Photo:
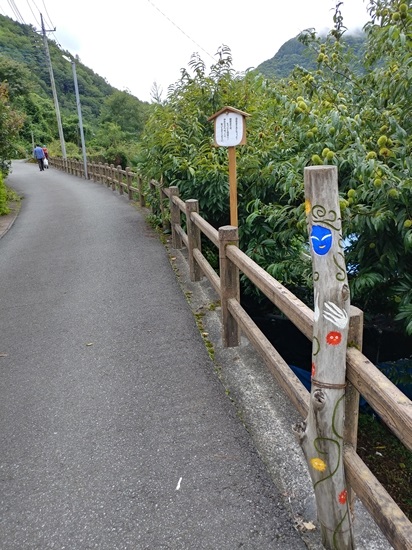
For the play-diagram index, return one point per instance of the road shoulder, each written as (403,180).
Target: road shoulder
(8,220)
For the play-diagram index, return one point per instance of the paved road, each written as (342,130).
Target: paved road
(115,432)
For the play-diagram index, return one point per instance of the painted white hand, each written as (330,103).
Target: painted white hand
(335,315)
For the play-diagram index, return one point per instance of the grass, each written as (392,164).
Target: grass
(388,459)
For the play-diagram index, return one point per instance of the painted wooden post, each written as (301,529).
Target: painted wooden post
(175,218)
(194,239)
(229,285)
(321,435)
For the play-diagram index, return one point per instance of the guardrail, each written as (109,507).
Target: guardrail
(363,377)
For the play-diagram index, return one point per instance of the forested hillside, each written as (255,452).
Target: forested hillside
(294,53)
(25,80)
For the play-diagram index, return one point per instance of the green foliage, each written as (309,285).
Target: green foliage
(4,209)
(10,123)
(356,119)
(123,109)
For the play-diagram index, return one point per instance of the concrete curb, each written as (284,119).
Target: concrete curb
(268,416)
(8,220)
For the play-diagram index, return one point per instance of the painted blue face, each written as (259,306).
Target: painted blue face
(321,238)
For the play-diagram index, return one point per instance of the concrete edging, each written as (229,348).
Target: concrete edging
(268,416)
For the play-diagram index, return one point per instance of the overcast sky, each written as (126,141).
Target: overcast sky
(134,43)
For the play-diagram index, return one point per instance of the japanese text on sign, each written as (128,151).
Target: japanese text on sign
(229,129)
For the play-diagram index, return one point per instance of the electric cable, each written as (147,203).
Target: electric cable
(35,18)
(48,16)
(16,12)
(183,32)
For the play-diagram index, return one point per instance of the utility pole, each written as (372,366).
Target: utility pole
(79,113)
(53,85)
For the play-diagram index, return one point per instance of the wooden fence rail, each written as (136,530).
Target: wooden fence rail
(110,175)
(363,377)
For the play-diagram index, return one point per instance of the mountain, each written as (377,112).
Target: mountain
(293,53)
(24,67)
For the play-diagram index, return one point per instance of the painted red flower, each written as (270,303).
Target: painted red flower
(343,496)
(313,369)
(334,338)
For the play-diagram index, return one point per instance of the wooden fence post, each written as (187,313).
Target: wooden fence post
(321,435)
(162,197)
(129,182)
(229,285)
(113,177)
(153,192)
(194,239)
(175,218)
(142,198)
(352,397)
(120,179)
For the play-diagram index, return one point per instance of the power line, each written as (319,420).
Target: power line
(183,32)
(48,16)
(28,3)
(16,12)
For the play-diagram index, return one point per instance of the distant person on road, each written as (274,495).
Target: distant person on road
(39,155)
(46,153)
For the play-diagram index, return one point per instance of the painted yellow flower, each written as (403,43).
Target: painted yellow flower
(318,464)
(308,206)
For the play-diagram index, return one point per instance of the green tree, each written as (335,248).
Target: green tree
(4,209)
(126,111)
(358,120)
(10,123)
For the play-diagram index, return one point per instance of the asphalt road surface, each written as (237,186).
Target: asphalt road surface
(115,431)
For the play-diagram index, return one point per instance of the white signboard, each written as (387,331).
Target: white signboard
(229,129)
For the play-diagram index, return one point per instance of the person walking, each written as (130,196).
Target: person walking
(39,155)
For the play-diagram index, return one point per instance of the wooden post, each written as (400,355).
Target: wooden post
(106,174)
(233,186)
(120,179)
(229,285)
(162,197)
(113,177)
(350,432)
(108,170)
(142,198)
(175,218)
(152,188)
(129,182)
(321,435)
(194,239)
